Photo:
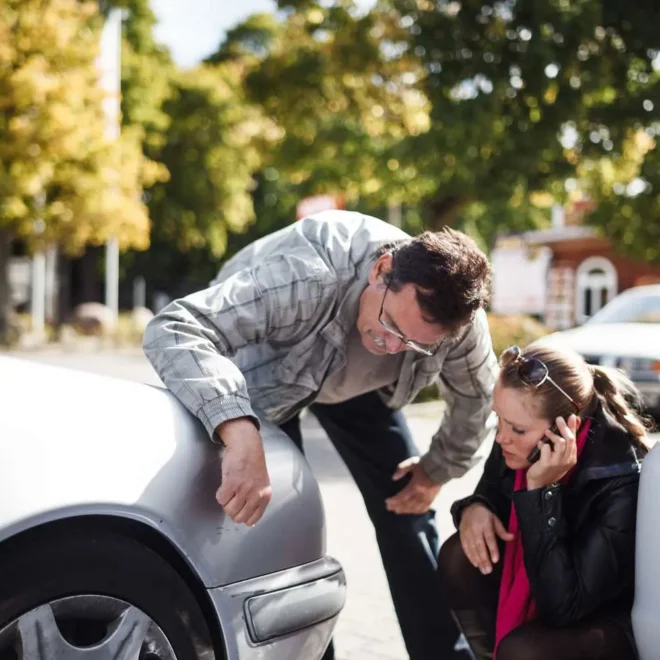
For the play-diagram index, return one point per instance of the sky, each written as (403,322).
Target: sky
(193,29)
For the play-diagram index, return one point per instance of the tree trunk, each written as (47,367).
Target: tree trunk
(5,292)
(64,304)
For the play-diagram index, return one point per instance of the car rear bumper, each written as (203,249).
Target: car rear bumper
(289,615)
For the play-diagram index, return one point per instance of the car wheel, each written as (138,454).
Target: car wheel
(96,595)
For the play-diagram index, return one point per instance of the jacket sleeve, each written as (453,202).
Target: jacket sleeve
(190,341)
(466,383)
(571,576)
(493,490)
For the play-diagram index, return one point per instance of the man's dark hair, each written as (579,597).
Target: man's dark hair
(451,274)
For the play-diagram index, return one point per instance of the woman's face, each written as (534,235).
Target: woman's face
(519,428)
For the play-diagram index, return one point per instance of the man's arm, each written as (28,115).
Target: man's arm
(189,343)
(466,382)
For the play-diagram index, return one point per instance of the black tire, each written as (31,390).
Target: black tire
(47,566)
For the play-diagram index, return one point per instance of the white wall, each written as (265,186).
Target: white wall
(520,279)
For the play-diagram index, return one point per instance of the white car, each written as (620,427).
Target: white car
(624,334)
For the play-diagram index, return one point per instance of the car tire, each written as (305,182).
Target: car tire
(66,563)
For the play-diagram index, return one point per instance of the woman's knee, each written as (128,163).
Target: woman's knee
(451,555)
(520,645)
(598,637)
(453,564)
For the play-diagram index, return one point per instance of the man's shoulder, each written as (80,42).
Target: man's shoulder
(349,228)
(346,239)
(326,245)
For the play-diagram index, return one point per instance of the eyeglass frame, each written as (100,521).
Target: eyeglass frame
(521,360)
(415,346)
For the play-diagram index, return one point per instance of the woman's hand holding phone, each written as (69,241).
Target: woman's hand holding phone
(557,458)
(478,530)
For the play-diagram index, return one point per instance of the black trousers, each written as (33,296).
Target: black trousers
(372,440)
(473,599)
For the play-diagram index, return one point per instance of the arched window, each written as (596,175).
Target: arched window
(596,284)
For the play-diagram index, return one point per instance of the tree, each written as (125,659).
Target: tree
(147,72)
(61,180)
(627,187)
(213,147)
(340,92)
(526,93)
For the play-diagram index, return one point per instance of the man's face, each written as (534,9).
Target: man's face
(400,313)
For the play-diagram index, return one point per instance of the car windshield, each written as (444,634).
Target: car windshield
(637,307)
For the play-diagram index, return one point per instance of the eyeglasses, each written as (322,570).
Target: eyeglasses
(425,349)
(531,371)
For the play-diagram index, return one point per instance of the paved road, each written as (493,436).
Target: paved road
(367,629)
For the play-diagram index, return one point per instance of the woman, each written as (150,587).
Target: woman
(542,566)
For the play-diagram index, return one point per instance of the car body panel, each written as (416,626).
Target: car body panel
(78,444)
(233,603)
(633,347)
(647,568)
(627,340)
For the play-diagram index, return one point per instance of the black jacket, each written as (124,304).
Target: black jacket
(578,539)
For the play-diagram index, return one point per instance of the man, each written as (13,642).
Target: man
(351,317)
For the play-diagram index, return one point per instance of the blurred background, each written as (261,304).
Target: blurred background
(143,142)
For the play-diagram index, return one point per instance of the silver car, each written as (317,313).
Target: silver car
(113,547)
(624,334)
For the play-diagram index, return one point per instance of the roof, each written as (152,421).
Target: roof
(557,234)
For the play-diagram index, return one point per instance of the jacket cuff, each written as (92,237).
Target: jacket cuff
(437,472)
(540,511)
(231,406)
(459,506)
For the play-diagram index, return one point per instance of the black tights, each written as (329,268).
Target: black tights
(473,599)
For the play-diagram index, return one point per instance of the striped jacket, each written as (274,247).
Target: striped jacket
(269,330)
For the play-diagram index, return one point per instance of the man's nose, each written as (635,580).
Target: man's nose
(393,344)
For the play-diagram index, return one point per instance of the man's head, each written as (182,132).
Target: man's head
(422,291)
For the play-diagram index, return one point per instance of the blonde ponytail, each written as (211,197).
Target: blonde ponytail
(623,401)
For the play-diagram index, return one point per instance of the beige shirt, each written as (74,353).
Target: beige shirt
(363,372)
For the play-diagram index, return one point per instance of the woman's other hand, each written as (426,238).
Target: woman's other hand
(479,530)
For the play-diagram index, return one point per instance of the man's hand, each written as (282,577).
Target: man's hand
(245,491)
(418,494)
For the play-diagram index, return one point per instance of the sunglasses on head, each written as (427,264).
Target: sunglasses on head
(531,371)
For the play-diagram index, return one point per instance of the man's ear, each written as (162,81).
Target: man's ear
(380,268)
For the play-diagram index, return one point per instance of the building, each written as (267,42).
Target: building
(563,274)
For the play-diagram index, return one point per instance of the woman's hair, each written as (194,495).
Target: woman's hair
(585,384)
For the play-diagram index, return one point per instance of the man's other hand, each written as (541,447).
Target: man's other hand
(418,494)
(245,491)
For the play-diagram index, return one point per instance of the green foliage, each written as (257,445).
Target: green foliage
(213,147)
(147,70)
(627,187)
(61,180)
(341,103)
(527,94)
(509,330)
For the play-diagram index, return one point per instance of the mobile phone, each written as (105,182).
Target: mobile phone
(535,454)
